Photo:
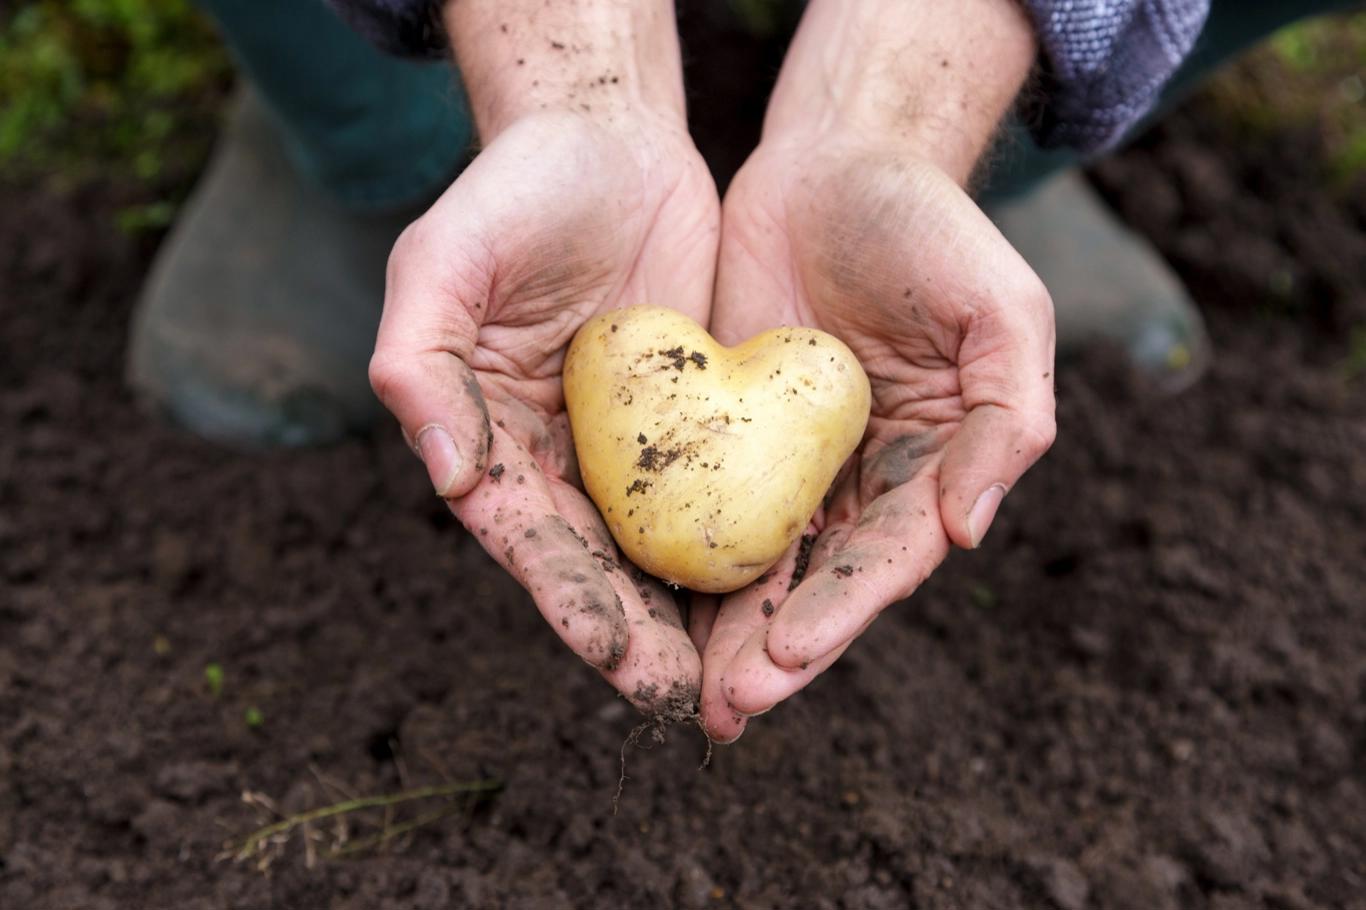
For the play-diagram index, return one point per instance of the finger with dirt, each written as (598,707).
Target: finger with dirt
(660,672)
(740,616)
(513,515)
(898,541)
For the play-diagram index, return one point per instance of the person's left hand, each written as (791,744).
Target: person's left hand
(887,253)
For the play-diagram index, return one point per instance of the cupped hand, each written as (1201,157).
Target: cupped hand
(560,217)
(886,252)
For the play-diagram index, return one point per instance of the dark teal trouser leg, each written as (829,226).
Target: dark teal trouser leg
(1233,26)
(380,133)
(376,132)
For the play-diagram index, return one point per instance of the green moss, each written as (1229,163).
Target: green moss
(118,88)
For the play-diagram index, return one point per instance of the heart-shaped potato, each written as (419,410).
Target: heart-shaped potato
(707,462)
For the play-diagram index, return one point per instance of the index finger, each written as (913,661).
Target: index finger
(513,515)
(898,541)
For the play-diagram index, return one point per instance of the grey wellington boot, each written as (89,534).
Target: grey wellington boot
(257,321)
(1107,282)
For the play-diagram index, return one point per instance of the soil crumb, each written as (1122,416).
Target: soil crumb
(803,560)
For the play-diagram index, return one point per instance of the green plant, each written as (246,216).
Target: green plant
(213,678)
(982,596)
(151,216)
(1354,365)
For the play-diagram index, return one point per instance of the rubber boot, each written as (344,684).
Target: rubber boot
(256,324)
(1107,283)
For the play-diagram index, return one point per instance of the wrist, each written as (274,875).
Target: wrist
(920,78)
(606,60)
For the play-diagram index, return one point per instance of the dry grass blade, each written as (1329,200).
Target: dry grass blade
(257,840)
(394,831)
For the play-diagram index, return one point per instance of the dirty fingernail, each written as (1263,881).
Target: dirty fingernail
(438,452)
(983,511)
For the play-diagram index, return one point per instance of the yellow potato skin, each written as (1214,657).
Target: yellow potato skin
(707,462)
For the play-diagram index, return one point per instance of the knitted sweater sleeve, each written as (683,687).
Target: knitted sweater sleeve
(1104,61)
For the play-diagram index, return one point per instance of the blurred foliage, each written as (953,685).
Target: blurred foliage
(130,89)
(1354,365)
(1309,76)
(122,89)
(765,18)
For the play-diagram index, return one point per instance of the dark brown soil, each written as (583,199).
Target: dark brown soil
(1148,691)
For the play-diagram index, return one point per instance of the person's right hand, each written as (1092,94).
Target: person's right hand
(564,214)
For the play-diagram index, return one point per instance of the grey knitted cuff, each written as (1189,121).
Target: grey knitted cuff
(1107,60)
(407,28)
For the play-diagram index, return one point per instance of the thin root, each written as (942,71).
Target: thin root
(656,725)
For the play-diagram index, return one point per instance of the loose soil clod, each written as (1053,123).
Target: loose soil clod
(803,560)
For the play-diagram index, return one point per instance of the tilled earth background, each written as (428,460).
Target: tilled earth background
(1147,691)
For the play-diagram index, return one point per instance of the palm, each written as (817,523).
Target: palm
(588,234)
(894,259)
(551,224)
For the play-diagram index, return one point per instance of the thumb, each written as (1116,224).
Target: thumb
(1010,421)
(420,367)
(991,450)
